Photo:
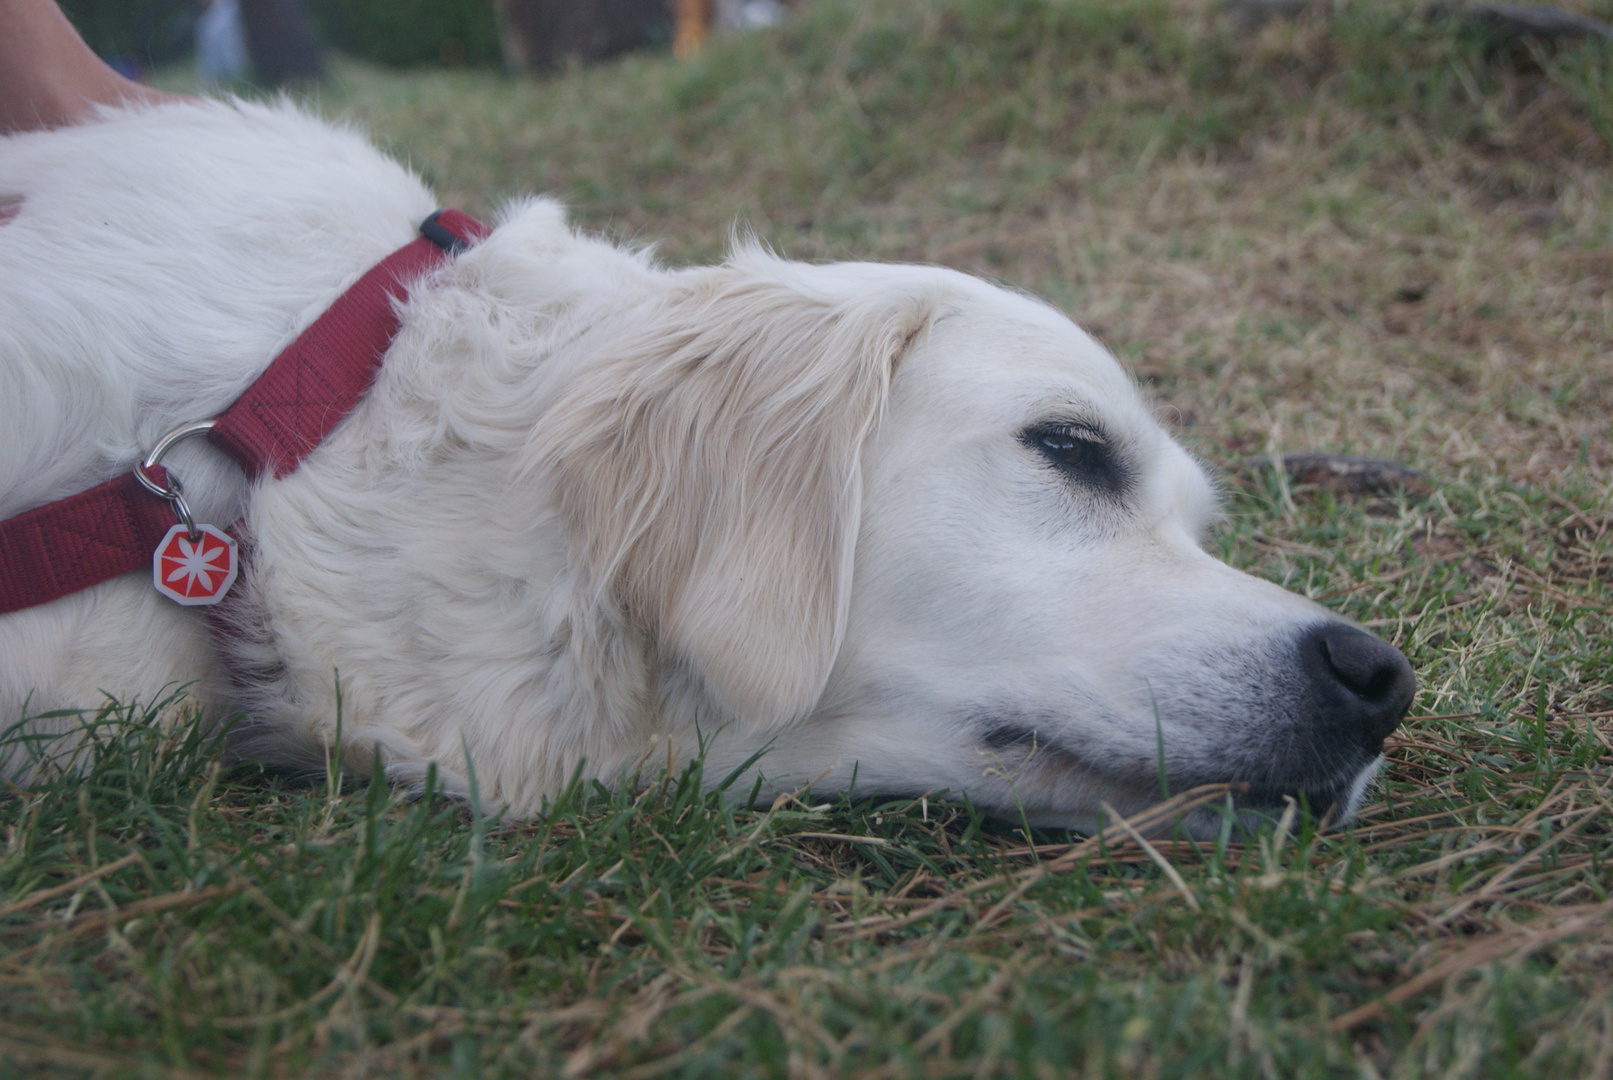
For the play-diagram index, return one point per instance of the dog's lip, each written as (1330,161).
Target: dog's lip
(1321,801)
(1320,792)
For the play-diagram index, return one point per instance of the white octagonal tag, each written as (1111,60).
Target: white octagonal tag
(194,573)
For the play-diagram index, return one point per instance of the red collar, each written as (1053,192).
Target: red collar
(114,528)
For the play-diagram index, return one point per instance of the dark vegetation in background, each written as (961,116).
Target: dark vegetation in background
(545,33)
(394,32)
(152,32)
(146,31)
(541,33)
(400,33)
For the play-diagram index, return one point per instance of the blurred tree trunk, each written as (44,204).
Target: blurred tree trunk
(693,21)
(541,33)
(280,42)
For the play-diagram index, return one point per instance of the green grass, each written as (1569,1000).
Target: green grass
(1367,233)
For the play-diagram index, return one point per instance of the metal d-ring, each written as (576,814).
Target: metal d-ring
(173,492)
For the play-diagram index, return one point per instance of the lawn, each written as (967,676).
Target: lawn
(1363,230)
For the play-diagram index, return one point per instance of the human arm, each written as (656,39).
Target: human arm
(48,76)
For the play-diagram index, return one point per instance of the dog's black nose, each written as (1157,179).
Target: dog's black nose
(1368,681)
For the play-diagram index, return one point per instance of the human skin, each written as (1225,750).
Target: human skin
(48,76)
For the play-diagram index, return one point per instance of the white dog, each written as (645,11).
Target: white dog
(890,522)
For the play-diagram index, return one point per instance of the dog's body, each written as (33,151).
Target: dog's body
(889,521)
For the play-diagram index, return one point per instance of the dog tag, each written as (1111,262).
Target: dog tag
(194,573)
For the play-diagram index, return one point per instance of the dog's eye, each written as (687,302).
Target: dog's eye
(1080,451)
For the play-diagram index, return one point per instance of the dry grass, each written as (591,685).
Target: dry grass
(1358,231)
(1292,269)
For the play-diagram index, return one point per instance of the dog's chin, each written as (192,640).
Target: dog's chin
(1332,806)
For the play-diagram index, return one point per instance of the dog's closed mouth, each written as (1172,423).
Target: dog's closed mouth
(1329,786)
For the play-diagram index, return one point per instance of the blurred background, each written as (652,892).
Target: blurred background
(274,42)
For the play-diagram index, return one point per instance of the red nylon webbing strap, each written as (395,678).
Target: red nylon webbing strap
(82,540)
(320,377)
(114,528)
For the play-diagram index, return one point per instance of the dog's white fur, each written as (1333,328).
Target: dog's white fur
(595,510)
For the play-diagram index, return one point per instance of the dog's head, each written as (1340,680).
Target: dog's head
(907,527)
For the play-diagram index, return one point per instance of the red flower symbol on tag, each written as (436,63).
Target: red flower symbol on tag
(198,572)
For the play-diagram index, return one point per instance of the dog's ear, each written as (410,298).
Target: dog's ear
(709,467)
